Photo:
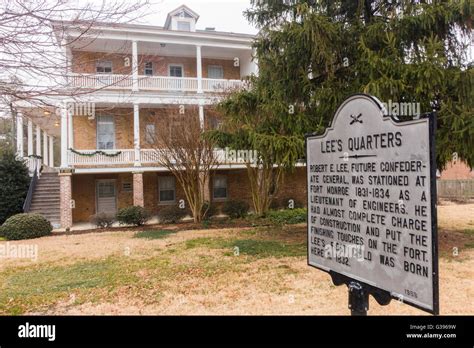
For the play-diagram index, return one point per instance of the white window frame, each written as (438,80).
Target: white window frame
(183,20)
(104,61)
(214,198)
(215,66)
(114,181)
(175,65)
(160,202)
(97,132)
(145,69)
(150,136)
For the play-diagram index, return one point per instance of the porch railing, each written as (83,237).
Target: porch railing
(152,83)
(101,157)
(127,157)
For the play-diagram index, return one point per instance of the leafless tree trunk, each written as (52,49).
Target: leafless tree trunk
(182,150)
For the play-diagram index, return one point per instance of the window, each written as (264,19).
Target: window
(215,72)
(105,132)
(167,189)
(150,133)
(149,68)
(219,189)
(127,187)
(103,67)
(184,25)
(106,197)
(176,70)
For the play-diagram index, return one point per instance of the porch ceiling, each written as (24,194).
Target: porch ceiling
(45,118)
(152,48)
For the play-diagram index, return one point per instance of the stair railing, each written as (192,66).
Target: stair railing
(31,188)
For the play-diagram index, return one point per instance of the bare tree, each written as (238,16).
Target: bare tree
(181,148)
(34,35)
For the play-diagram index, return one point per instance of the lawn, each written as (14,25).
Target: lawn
(214,270)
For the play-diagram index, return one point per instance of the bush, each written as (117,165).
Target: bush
(14,182)
(102,220)
(133,215)
(287,216)
(25,226)
(235,209)
(171,214)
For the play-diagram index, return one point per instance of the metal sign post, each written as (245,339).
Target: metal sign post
(372,205)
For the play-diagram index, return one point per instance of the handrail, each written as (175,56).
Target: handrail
(31,190)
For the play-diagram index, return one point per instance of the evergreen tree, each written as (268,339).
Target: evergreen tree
(313,54)
(14,181)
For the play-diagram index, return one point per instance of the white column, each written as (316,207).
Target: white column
(38,141)
(136,133)
(30,137)
(70,131)
(51,152)
(45,148)
(134,65)
(201,116)
(64,117)
(19,135)
(199,68)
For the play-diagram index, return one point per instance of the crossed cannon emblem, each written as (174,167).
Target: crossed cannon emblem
(356,119)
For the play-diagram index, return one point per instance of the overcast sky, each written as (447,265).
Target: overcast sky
(224,15)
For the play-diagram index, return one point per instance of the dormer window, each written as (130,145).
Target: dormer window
(184,26)
(182,19)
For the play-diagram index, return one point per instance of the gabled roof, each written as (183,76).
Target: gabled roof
(184,8)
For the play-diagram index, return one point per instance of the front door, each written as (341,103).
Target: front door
(106,196)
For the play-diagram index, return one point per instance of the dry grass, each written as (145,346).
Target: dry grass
(202,272)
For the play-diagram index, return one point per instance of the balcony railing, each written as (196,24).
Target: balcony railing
(152,83)
(97,158)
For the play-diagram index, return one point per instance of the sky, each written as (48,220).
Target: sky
(224,15)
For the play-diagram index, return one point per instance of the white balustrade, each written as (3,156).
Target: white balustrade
(127,157)
(109,81)
(153,83)
(90,158)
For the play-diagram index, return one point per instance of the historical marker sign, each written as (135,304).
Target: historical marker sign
(371,202)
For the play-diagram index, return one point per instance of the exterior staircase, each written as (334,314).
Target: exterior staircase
(46,198)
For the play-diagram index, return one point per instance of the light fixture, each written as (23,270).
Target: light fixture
(162,45)
(46,113)
(56,124)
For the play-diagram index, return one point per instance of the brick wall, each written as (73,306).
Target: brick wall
(85,129)
(83,190)
(85,62)
(458,170)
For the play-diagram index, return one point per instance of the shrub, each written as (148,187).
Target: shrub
(235,209)
(102,220)
(133,215)
(14,181)
(287,216)
(171,214)
(26,226)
